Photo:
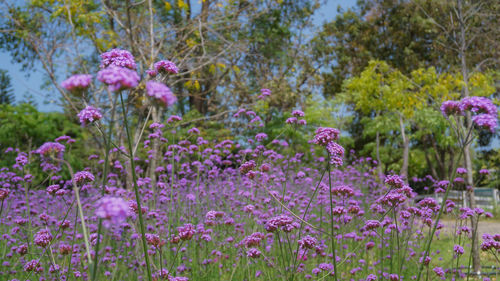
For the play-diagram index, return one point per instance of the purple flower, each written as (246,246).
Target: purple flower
(291,120)
(161,92)
(298,113)
(461,171)
(265,92)
(253,240)
(485,121)
(77,82)
(439,271)
(324,136)
(118,78)
(83,176)
(371,277)
(484,172)
(186,232)
(371,224)
(51,148)
(279,221)
(33,265)
(88,115)
(394,181)
(336,152)
(459,250)
(22,159)
(342,190)
(260,137)
(478,105)
(247,166)
(450,108)
(308,242)
(253,253)
(4,193)
(113,210)
(167,66)
(174,118)
(117,57)
(42,238)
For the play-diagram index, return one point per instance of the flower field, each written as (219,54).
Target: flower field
(176,206)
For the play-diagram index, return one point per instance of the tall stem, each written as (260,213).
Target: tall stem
(107,144)
(429,240)
(331,222)
(136,189)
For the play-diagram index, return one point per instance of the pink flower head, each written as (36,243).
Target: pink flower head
(298,113)
(265,92)
(186,232)
(77,82)
(43,238)
(336,152)
(51,148)
(253,253)
(161,92)
(83,176)
(478,105)
(174,118)
(167,66)
(118,78)
(117,57)
(89,115)
(450,108)
(113,210)
(326,135)
(485,121)
(308,242)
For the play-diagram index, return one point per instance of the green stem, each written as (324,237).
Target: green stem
(331,222)
(107,142)
(474,234)
(82,218)
(136,190)
(429,240)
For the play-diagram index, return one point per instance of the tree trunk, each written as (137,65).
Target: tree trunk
(379,163)
(476,262)
(406,150)
(155,147)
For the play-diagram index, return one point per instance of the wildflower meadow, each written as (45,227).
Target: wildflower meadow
(178,165)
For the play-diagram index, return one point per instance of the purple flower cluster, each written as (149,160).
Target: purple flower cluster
(491,242)
(33,265)
(163,66)
(83,176)
(450,108)
(264,93)
(161,92)
(485,121)
(51,149)
(478,105)
(186,231)
(89,115)
(118,78)
(286,223)
(77,82)
(483,110)
(118,57)
(113,210)
(308,242)
(326,137)
(42,238)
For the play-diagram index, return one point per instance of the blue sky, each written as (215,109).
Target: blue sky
(47,101)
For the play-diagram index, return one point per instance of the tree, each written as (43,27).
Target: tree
(470,33)
(6,91)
